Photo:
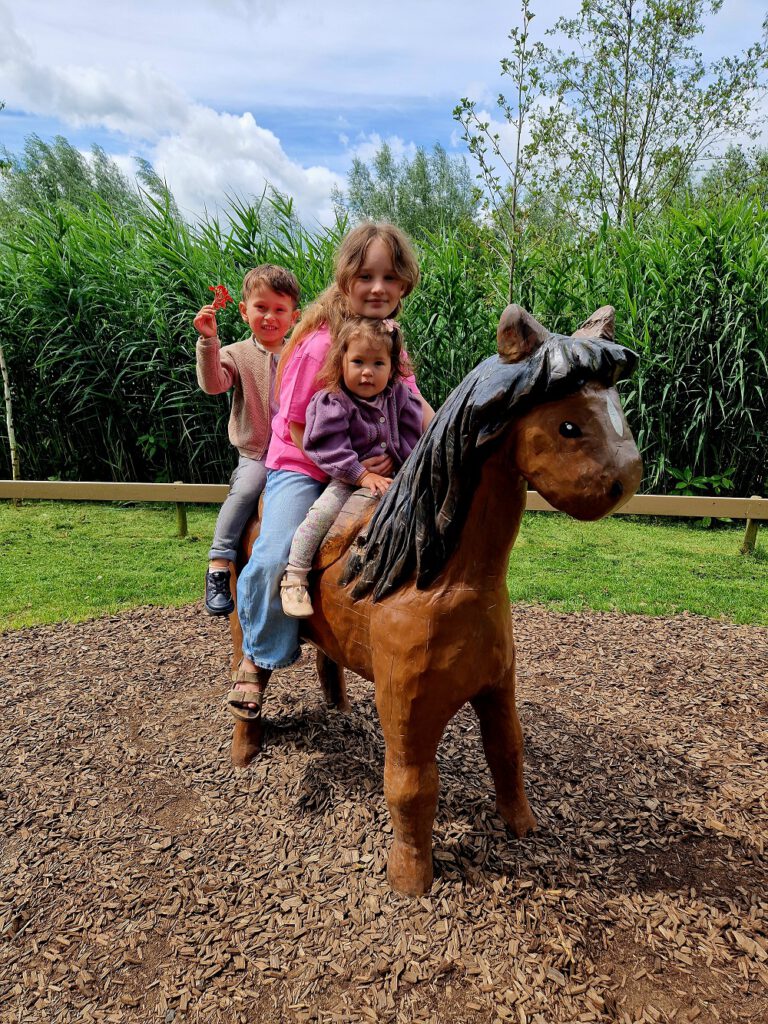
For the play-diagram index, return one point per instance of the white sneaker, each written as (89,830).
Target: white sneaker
(295,597)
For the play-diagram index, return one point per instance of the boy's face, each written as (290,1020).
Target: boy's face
(270,315)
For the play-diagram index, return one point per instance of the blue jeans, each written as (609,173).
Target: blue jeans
(245,487)
(270,638)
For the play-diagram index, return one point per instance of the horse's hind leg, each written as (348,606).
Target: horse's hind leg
(332,682)
(503,745)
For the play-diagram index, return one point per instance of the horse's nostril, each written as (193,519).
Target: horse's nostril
(617,489)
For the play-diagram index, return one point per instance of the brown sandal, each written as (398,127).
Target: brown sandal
(237,699)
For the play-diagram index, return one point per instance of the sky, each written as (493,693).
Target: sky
(224,96)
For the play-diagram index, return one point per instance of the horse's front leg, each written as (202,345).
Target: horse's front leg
(411,792)
(412,729)
(503,745)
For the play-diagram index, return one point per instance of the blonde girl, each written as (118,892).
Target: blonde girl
(364,409)
(375,269)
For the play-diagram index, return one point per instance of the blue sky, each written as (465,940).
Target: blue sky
(224,95)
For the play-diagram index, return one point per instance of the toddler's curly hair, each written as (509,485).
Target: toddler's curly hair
(384,333)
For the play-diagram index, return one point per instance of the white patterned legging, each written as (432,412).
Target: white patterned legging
(320,518)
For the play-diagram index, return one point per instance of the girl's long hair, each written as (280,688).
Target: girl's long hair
(377,332)
(332,306)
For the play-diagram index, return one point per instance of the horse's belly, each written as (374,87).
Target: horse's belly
(427,637)
(339,626)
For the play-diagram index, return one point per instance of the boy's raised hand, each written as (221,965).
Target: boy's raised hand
(205,322)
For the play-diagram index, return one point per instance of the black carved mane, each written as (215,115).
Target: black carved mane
(418,522)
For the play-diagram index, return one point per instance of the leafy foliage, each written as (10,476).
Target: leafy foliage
(686,482)
(430,192)
(96,310)
(51,175)
(626,110)
(738,174)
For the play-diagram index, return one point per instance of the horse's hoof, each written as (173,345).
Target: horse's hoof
(342,706)
(407,871)
(521,822)
(246,743)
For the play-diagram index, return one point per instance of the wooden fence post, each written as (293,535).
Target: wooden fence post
(181,515)
(750,534)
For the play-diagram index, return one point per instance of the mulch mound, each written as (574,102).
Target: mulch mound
(144,879)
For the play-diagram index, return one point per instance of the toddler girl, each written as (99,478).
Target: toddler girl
(375,269)
(365,410)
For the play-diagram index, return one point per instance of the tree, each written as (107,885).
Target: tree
(46,175)
(738,174)
(424,194)
(632,107)
(503,199)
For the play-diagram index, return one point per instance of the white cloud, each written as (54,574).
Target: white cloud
(366,147)
(137,101)
(222,154)
(240,53)
(204,155)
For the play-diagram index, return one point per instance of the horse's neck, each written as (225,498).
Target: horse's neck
(492,523)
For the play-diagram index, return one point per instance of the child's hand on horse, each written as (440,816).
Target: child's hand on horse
(376,484)
(205,322)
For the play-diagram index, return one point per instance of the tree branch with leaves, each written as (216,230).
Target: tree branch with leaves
(485,143)
(629,109)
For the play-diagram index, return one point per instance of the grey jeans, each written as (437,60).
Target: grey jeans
(245,487)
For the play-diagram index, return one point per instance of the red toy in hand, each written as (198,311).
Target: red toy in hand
(220,295)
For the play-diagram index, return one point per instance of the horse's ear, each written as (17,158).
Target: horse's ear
(518,335)
(602,324)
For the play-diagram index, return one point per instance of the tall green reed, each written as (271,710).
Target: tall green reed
(97,317)
(96,324)
(691,297)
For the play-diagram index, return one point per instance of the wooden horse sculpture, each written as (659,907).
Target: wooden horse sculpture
(414,598)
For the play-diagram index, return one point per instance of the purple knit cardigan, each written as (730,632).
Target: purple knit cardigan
(342,429)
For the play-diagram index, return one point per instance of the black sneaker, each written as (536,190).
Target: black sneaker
(218,597)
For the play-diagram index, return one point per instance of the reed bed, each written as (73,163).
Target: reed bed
(96,311)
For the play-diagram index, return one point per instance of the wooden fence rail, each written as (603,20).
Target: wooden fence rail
(754,510)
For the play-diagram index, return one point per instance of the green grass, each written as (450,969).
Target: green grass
(640,565)
(73,561)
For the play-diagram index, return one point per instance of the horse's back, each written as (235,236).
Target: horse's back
(353,517)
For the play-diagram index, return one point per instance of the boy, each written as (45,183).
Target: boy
(270,307)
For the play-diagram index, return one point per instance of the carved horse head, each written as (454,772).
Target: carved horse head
(575,449)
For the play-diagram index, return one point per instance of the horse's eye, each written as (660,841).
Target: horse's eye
(568,429)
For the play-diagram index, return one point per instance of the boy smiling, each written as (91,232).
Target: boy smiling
(270,307)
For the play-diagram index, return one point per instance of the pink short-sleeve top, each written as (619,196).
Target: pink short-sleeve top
(298,385)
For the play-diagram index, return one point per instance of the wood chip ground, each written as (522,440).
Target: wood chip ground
(143,879)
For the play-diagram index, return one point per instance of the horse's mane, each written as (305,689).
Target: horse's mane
(418,522)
